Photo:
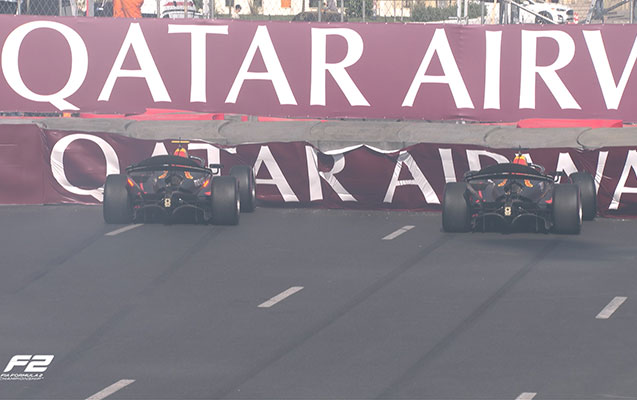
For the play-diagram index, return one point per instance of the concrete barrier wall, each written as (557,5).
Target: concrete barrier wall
(404,166)
(331,135)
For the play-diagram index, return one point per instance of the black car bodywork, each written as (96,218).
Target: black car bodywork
(167,187)
(509,195)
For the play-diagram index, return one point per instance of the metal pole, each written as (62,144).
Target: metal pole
(320,10)
(459,11)
(632,12)
(482,12)
(342,11)
(363,10)
(500,11)
(211,4)
(158,9)
(19,6)
(185,8)
(466,10)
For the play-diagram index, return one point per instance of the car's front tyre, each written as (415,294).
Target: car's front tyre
(117,206)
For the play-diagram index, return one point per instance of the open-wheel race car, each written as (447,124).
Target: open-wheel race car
(518,194)
(169,187)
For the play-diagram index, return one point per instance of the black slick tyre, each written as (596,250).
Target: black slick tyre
(567,209)
(588,195)
(456,213)
(247,186)
(225,201)
(117,206)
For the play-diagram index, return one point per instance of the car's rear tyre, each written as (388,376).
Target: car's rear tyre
(456,213)
(247,187)
(588,195)
(225,201)
(117,206)
(567,209)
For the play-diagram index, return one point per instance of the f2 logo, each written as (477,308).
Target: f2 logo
(33,363)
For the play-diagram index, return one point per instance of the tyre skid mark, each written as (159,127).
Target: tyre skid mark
(94,339)
(411,373)
(308,334)
(59,261)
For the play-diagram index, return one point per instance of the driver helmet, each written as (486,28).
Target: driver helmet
(181,152)
(520,159)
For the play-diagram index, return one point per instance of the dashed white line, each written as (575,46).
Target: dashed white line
(280,297)
(611,307)
(102,394)
(399,232)
(124,229)
(526,396)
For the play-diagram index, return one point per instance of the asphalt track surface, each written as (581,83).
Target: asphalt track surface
(181,311)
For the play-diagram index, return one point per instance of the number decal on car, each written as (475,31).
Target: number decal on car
(167,202)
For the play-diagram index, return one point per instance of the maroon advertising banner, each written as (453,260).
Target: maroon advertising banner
(71,167)
(269,68)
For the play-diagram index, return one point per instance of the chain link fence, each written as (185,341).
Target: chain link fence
(474,11)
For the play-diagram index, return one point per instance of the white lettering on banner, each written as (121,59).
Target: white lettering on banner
(266,158)
(630,165)
(612,93)
(57,163)
(337,70)
(147,68)
(159,150)
(492,70)
(565,163)
(447,165)
(418,179)
(314,175)
(529,68)
(275,73)
(79,64)
(452,77)
(213,153)
(198,55)
(599,172)
(473,157)
(528,158)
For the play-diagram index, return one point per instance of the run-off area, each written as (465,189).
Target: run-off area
(173,311)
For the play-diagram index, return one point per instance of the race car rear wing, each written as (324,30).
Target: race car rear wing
(505,175)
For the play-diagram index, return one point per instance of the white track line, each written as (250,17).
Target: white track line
(124,229)
(281,296)
(102,394)
(611,307)
(526,396)
(399,232)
